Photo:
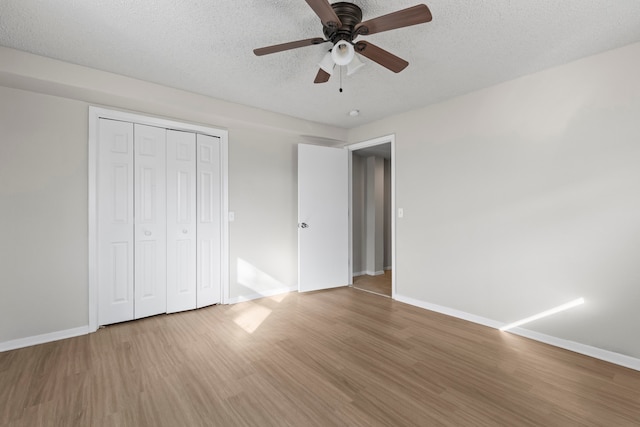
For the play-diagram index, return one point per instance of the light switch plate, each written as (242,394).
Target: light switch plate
(232,216)
(400,212)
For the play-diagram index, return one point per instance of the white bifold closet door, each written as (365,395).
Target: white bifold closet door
(209,239)
(150,212)
(159,221)
(132,228)
(193,221)
(181,221)
(115,222)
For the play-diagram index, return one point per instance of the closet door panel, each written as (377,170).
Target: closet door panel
(115,222)
(181,221)
(150,221)
(209,215)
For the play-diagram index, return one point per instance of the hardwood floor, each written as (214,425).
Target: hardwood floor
(338,357)
(380,284)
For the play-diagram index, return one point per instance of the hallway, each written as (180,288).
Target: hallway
(380,285)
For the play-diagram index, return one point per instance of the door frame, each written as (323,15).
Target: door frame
(97,113)
(357,146)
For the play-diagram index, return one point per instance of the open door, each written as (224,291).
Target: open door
(323,217)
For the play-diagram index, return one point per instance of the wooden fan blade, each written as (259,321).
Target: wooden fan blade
(381,56)
(322,76)
(403,18)
(287,46)
(325,12)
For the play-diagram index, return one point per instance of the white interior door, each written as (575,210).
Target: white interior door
(209,251)
(181,221)
(323,217)
(115,229)
(150,229)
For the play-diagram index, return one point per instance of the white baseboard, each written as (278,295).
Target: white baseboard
(269,293)
(84,330)
(44,338)
(598,353)
(369,273)
(587,350)
(450,312)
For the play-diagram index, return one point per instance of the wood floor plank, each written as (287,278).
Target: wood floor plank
(337,357)
(380,284)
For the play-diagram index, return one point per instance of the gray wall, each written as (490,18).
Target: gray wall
(362,203)
(524,196)
(387,215)
(43,214)
(517,198)
(359,232)
(375,215)
(43,186)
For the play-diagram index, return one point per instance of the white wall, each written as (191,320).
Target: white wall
(43,186)
(524,196)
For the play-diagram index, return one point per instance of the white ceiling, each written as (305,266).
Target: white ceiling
(205,46)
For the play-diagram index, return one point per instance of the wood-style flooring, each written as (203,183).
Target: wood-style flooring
(380,284)
(331,358)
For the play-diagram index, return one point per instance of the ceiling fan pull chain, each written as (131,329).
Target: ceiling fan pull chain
(340,79)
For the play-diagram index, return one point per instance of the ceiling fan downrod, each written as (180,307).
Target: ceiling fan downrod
(350,15)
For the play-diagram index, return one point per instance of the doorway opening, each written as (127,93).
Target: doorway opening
(372,232)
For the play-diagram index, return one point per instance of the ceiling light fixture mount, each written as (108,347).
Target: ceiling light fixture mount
(349,15)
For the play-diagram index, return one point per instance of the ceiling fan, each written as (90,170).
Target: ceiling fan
(341,24)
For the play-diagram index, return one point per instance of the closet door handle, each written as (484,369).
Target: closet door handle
(147,233)
(185,231)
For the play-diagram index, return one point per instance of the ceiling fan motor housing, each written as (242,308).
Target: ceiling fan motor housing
(350,15)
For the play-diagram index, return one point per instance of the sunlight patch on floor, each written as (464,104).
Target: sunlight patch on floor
(251,316)
(278,298)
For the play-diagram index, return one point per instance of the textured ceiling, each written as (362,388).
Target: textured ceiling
(205,46)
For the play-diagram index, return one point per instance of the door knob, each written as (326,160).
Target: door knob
(147,233)
(185,231)
(303,225)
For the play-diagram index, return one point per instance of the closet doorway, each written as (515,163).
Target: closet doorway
(372,197)
(157,216)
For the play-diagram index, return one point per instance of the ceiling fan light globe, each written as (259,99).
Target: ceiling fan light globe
(327,63)
(354,65)
(342,53)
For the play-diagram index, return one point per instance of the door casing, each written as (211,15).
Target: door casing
(357,146)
